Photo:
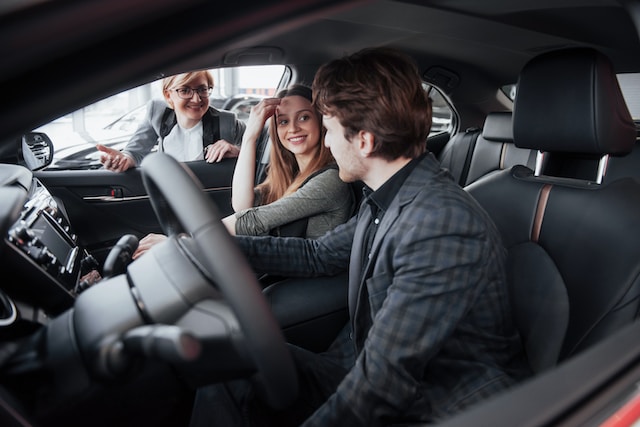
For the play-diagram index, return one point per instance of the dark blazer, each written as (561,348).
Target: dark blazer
(442,336)
(148,133)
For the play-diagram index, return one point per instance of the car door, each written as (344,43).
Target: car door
(102,206)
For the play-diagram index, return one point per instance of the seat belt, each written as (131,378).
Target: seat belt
(472,135)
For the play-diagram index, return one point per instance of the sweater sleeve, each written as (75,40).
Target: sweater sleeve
(324,194)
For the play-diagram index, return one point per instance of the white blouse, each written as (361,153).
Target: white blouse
(184,144)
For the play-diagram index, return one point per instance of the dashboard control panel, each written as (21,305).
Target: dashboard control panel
(44,251)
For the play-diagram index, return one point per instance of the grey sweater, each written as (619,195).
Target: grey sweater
(325,200)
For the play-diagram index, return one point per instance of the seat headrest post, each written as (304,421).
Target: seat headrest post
(539,163)
(602,168)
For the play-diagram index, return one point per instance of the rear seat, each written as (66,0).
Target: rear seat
(475,153)
(495,150)
(456,154)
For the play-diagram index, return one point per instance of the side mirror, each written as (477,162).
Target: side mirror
(36,151)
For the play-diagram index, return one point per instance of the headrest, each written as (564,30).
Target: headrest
(498,127)
(570,101)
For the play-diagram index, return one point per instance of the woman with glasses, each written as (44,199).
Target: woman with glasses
(184,126)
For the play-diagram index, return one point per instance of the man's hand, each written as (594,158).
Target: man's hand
(219,150)
(114,160)
(147,242)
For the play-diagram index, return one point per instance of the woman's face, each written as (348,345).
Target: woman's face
(298,125)
(189,111)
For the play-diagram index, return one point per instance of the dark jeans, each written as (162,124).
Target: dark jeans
(235,403)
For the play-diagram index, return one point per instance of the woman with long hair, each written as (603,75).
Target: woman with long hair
(302,194)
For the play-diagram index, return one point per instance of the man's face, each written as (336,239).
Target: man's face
(346,153)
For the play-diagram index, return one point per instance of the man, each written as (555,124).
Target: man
(431,328)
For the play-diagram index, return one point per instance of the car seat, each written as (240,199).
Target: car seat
(494,150)
(573,254)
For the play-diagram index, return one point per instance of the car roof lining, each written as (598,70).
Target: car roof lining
(461,35)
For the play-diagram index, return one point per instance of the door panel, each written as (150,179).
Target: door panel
(103,206)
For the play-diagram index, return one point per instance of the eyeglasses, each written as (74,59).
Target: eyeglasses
(187,92)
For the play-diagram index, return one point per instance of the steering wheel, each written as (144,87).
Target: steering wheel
(181,206)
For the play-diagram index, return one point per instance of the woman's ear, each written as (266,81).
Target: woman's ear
(167,98)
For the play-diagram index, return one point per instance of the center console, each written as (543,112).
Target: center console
(42,256)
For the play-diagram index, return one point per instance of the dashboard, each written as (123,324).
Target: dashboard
(42,263)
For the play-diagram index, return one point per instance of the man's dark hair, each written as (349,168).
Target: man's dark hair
(378,90)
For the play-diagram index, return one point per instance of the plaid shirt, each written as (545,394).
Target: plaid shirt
(442,336)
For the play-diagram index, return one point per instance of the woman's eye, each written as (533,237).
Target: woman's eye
(304,118)
(283,122)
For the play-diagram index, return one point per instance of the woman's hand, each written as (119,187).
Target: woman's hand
(259,115)
(114,160)
(219,150)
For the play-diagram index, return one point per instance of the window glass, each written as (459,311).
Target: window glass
(510,91)
(630,85)
(113,120)
(443,114)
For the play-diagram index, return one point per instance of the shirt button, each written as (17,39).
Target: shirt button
(376,221)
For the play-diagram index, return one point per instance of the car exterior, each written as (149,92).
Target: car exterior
(63,57)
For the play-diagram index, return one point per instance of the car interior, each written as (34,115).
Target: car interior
(538,131)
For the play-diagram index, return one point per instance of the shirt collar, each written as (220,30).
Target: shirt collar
(381,199)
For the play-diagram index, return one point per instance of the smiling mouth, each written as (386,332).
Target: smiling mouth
(297,139)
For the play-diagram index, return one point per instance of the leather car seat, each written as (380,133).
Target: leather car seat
(494,150)
(572,241)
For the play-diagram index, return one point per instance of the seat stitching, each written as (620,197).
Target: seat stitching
(542,205)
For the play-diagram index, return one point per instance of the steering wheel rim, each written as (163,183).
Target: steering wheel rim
(181,205)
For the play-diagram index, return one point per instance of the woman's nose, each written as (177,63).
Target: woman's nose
(294,126)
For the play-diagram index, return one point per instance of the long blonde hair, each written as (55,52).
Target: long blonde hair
(283,175)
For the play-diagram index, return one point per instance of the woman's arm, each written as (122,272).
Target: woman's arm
(321,195)
(230,223)
(147,133)
(242,195)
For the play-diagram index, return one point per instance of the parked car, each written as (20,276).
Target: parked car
(527,118)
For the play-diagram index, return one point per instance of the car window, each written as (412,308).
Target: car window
(443,118)
(113,120)
(629,84)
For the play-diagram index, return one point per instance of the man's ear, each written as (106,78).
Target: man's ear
(366,142)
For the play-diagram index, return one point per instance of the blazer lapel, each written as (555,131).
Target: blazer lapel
(406,194)
(423,172)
